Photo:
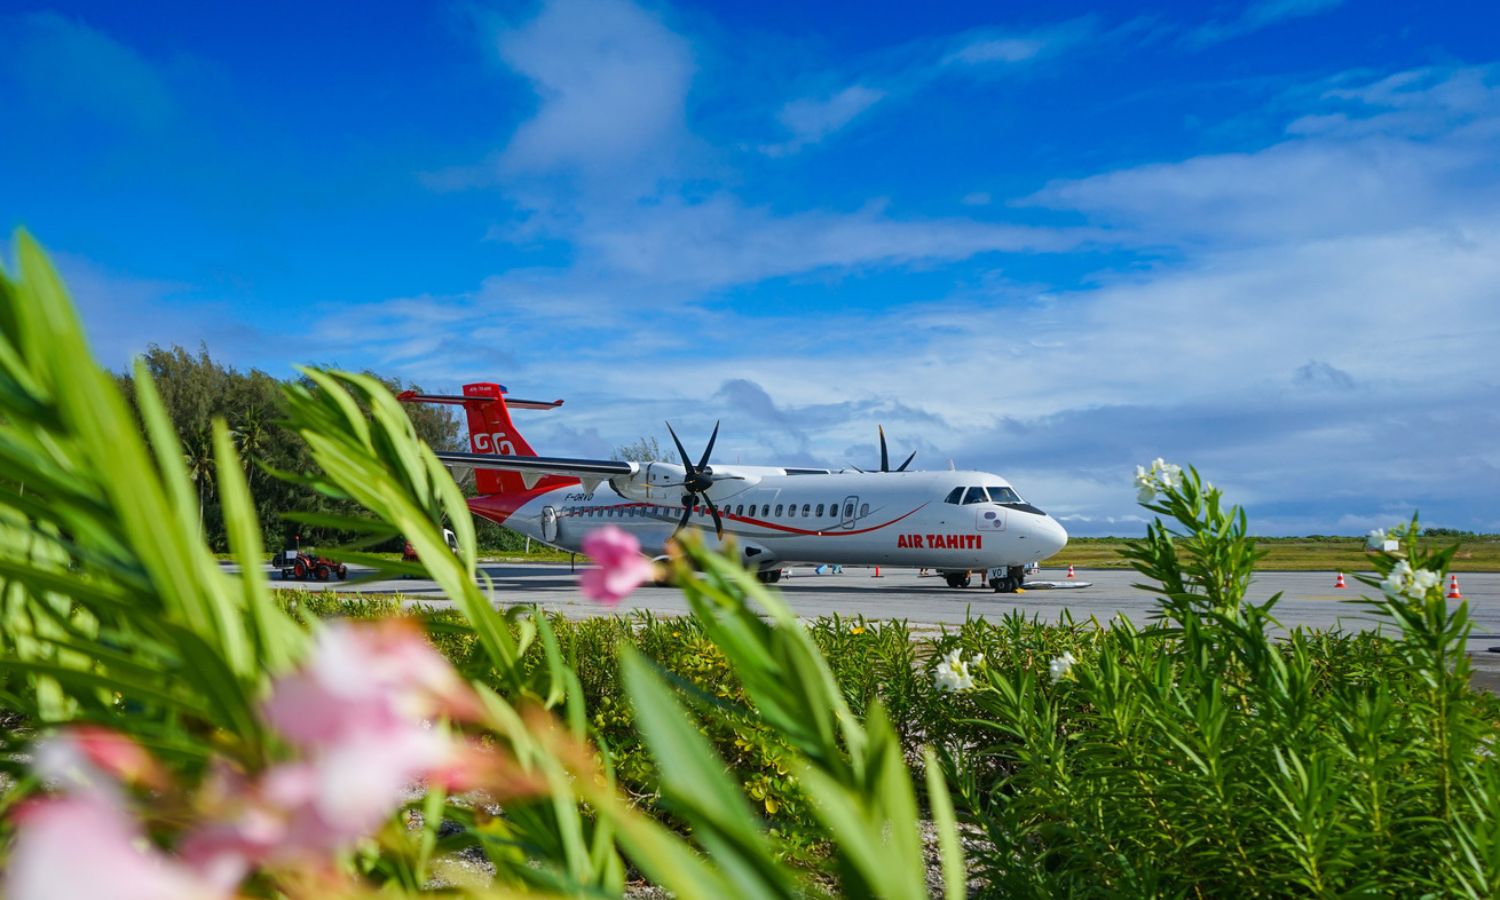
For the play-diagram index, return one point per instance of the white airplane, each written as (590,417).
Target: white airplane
(954,522)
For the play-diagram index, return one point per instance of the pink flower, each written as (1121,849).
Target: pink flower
(301,812)
(621,569)
(360,712)
(360,680)
(96,758)
(85,845)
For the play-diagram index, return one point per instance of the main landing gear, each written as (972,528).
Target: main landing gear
(1009,582)
(769,576)
(958,579)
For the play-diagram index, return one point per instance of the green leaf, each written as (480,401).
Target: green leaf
(694,784)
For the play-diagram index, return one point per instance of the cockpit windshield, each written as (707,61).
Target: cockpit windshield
(1003,495)
(963,496)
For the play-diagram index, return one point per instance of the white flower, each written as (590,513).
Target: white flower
(1412,583)
(1062,666)
(1375,540)
(952,673)
(1145,486)
(1163,476)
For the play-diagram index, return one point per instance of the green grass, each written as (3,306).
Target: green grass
(537,554)
(1307,554)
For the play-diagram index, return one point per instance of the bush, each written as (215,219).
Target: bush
(1201,756)
(242,742)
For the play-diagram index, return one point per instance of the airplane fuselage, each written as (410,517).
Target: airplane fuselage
(917,519)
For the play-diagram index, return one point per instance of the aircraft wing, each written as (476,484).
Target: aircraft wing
(532,468)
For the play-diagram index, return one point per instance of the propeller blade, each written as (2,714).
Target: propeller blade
(908,461)
(687,513)
(686,463)
(885,459)
(718,522)
(710,448)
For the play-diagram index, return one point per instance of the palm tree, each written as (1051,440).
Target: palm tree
(252,437)
(198,453)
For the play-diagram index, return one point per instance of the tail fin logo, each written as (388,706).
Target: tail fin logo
(496,442)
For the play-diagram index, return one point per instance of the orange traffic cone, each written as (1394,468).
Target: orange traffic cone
(1453,593)
(877,573)
(1340,582)
(1070,571)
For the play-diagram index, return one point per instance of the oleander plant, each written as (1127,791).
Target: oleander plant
(177,732)
(175,728)
(1204,756)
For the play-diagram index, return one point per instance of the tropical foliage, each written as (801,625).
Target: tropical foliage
(184,731)
(215,733)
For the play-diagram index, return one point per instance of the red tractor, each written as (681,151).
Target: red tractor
(293,563)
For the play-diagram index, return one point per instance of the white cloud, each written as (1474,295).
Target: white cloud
(70,68)
(987,47)
(1258,15)
(1316,333)
(1368,175)
(904,72)
(720,242)
(1010,50)
(1414,104)
(810,120)
(611,80)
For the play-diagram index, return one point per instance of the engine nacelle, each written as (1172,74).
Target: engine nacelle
(757,558)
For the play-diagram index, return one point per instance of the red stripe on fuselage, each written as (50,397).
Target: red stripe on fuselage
(499,507)
(731,517)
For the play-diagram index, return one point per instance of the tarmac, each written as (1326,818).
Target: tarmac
(1307,598)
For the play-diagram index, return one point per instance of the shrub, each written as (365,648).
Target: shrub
(211,708)
(1201,756)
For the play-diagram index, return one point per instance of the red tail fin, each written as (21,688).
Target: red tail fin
(492,431)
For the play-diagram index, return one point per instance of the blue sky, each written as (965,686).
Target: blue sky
(1052,243)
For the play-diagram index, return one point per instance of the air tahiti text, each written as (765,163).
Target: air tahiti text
(941,541)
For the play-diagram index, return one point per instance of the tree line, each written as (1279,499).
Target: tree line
(196,389)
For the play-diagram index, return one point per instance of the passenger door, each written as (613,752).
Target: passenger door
(549,524)
(851,504)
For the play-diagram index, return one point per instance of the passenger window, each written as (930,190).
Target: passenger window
(975,495)
(820,509)
(792,510)
(848,510)
(765,510)
(778,509)
(833,508)
(739,510)
(955,496)
(864,510)
(806,509)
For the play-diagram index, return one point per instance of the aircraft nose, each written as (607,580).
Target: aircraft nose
(1051,535)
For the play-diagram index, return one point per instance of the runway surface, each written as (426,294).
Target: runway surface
(1308,598)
